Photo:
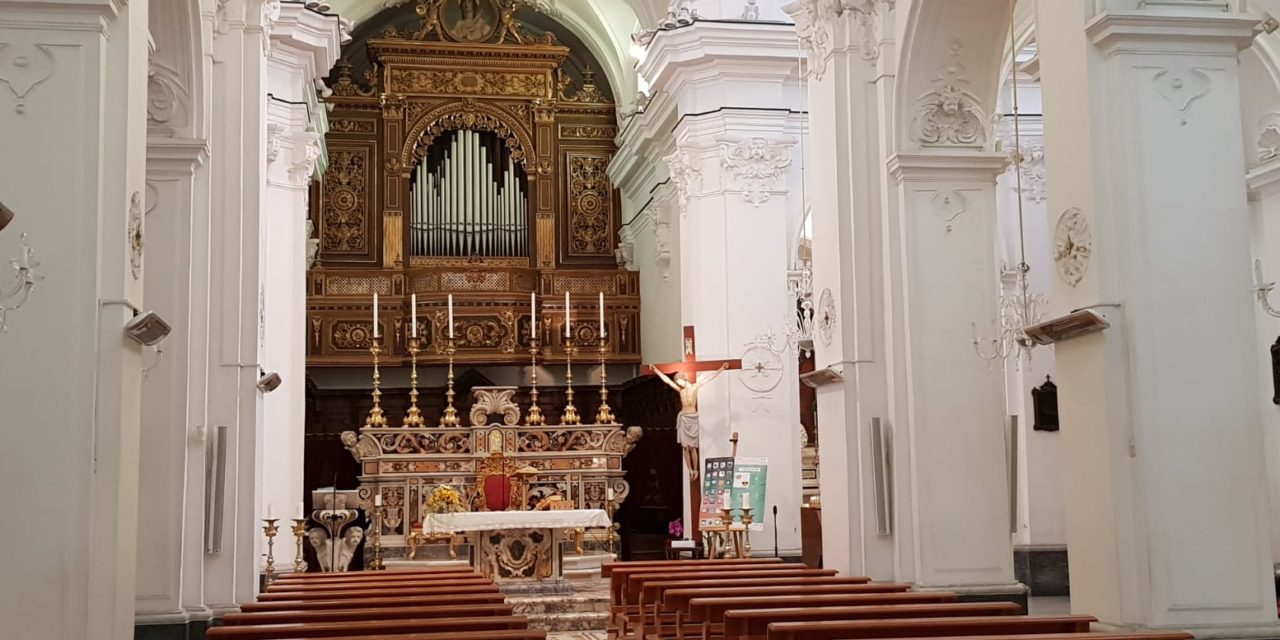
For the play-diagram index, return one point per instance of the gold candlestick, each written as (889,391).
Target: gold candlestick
(535,417)
(413,418)
(299,530)
(605,414)
(376,418)
(270,529)
(746,531)
(570,412)
(376,563)
(450,416)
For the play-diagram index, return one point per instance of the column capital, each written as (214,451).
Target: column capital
(1168,32)
(828,26)
(707,65)
(306,38)
(923,167)
(1264,179)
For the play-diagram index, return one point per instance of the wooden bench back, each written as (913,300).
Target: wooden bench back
(351,576)
(677,599)
(407,585)
(370,627)
(928,627)
(366,613)
(743,624)
(620,575)
(631,592)
(376,601)
(714,608)
(389,593)
(607,568)
(498,634)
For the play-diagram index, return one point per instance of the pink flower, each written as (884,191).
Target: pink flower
(676,528)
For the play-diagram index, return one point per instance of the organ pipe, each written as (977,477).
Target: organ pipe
(469,198)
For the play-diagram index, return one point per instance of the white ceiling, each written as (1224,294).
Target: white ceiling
(604,25)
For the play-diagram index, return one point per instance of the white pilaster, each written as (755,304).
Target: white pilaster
(1166,509)
(73,100)
(305,44)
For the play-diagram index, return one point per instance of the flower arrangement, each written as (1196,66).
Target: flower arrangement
(676,528)
(444,499)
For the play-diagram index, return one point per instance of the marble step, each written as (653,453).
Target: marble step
(560,622)
(558,605)
(585,561)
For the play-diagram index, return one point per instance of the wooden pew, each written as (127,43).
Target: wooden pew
(607,568)
(486,587)
(753,624)
(401,584)
(707,611)
(368,627)
(372,575)
(928,627)
(378,602)
(642,588)
(358,614)
(704,606)
(501,634)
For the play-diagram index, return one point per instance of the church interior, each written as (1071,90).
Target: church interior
(640,319)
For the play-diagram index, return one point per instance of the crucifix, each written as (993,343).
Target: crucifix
(683,378)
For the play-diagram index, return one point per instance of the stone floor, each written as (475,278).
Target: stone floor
(577,635)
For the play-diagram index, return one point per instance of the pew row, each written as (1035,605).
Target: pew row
(366,627)
(439,588)
(928,627)
(357,614)
(358,601)
(747,624)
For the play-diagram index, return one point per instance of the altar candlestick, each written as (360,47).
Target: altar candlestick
(376,333)
(414,317)
(602,314)
(746,500)
(533,315)
(451,315)
(566,314)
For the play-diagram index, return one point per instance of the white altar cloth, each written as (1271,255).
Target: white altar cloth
(504,520)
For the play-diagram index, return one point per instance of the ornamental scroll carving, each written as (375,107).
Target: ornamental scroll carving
(1072,246)
(951,115)
(502,84)
(466,114)
(345,198)
(756,166)
(590,205)
(497,400)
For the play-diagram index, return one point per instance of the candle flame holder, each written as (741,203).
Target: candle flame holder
(376,418)
(570,416)
(413,417)
(299,530)
(535,417)
(605,413)
(270,529)
(450,416)
(376,563)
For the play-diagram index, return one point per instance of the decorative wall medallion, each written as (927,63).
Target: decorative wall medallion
(351,335)
(343,224)
(590,205)
(685,175)
(951,115)
(135,235)
(1181,88)
(761,369)
(23,68)
(756,166)
(1269,137)
(826,316)
(1072,246)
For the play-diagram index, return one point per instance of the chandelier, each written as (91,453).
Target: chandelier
(12,297)
(1020,308)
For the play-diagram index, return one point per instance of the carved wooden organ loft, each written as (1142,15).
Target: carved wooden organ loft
(468,159)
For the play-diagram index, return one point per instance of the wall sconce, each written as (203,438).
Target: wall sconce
(24,281)
(1262,290)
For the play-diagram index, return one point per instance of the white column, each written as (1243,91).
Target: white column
(729,94)
(1264,206)
(238,137)
(304,46)
(1167,500)
(73,121)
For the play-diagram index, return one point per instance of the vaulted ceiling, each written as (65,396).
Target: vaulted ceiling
(605,26)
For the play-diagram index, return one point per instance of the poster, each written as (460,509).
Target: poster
(738,478)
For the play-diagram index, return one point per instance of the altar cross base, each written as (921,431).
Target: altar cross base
(690,365)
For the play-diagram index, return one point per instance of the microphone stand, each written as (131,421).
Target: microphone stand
(775,531)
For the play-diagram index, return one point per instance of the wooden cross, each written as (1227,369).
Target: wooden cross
(690,365)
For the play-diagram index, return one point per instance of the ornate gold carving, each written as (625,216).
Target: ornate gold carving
(356,285)
(351,335)
(546,167)
(393,105)
(589,93)
(590,206)
(477,117)
(469,82)
(345,86)
(315,331)
(352,126)
(345,201)
(543,112)
(589,131)
(485,333)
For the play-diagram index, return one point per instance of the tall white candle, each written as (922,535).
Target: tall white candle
(451,315)
(609,492)
(376,333)
(413,318)
(533,315)
(377,500)
(724,501)
(746,500)
(602,315)
(566,314)
(302,509)
(270,509)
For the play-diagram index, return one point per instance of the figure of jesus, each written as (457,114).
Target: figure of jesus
(687,427)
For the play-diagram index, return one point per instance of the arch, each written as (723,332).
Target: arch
(467,114)
(949,74)
(175,87)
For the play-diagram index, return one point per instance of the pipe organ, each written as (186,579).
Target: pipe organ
(469,146)
(469,198)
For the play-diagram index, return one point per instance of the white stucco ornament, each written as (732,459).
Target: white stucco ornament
(826,316)
(1072,246)
(761,369)
(135,235)
(756,166)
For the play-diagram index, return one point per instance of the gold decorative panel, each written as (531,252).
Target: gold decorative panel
(344,225)
(354,286)
(590,205)
(456,82)
(475,280)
